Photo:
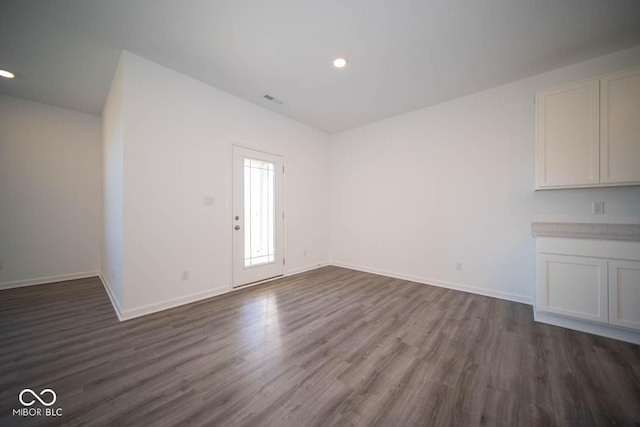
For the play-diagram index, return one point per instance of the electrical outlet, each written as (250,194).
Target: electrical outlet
(459,266)
(304,253)
(209,201)
(113,274)
(185,275)
(597,208)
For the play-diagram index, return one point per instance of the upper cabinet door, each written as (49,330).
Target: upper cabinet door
(567,135)
(620,127)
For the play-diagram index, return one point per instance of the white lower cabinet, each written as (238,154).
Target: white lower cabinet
(624,294)
(573,286)
(592,280)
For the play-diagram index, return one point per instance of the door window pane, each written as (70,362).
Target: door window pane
(259,212)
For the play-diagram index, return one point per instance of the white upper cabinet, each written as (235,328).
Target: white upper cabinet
(567,134)
(588,133)
(620,132)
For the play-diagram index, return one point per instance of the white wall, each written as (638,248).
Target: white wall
(50,185)
(414,194)
(113,189)
(178,135)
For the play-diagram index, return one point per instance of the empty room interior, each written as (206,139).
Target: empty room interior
(331,213)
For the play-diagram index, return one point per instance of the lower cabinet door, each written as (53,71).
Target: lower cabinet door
(572,286)
(624,294)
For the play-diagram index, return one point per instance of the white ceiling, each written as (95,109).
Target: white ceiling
(404,54)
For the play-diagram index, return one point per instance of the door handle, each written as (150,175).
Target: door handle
(237,227)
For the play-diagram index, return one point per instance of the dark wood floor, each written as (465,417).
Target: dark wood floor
(332,347)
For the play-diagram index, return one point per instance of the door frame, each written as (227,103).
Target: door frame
(267,150)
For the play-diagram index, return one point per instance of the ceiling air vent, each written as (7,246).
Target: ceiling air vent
(272,99)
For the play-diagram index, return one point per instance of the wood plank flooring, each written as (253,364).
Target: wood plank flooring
(331,347)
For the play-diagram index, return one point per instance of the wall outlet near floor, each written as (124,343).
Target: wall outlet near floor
(597,208)
(459,266)
(304,253)
(184,275)
(209,201)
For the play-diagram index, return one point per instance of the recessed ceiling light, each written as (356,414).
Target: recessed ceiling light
(7,74)
(340,62)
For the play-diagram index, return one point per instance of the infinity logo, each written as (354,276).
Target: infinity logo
(33,393)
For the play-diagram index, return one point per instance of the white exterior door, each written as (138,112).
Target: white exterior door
(258,217)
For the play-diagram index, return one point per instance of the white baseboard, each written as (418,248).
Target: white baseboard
(132,313)
(127,314)
(588,327)
(114,301)
(48,279)
(171,303)
(305,269)
(524,299)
